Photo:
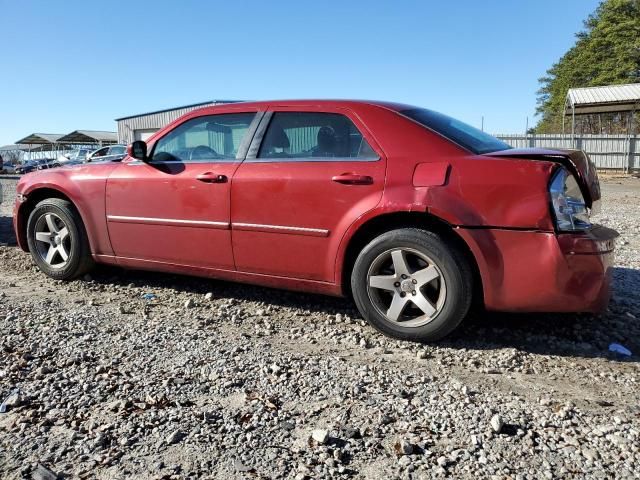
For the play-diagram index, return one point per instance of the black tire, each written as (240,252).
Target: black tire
(452,267)
(79,259)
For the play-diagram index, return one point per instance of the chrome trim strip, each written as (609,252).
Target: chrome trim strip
(167,221)
(315,232)
(135,163)
(310,159)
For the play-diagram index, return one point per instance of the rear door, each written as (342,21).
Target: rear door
(310,173)
(175,209)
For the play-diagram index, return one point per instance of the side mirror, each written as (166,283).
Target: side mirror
(138,150)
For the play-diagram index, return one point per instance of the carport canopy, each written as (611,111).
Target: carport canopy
(608,99)
(15,148)
(89,137)
(45,140)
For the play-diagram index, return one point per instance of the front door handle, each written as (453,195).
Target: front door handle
(353,179)
(210,177)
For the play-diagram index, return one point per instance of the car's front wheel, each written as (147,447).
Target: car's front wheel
(411,284)
(57,239)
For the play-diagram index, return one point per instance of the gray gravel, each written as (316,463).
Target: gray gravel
(207,379)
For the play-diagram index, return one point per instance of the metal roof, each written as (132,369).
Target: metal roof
(40,138)
(193,105)
(89,137)
(611,98)
(14,147)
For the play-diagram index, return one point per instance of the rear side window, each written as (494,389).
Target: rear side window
(302,135)
(466,136)
(119,150)
(204,139)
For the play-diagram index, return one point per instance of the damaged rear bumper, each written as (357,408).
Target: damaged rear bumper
(533,271)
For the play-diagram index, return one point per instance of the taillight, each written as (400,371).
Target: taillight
(569,208)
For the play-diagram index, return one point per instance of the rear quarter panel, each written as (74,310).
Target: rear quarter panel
(477,191)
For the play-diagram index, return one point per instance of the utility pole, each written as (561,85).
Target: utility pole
(482,124)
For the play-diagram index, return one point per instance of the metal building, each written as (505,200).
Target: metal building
(140,127)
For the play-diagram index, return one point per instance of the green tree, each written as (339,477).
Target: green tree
(606,52)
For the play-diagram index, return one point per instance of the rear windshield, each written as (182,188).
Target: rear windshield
(466,136)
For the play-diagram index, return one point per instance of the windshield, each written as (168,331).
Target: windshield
(466,136)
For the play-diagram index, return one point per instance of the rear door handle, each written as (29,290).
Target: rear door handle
(210,177)
(353,179)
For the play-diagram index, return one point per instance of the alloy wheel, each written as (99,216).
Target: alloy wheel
(52,239)
(406,287)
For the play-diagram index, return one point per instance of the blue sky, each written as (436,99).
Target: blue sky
(81,64)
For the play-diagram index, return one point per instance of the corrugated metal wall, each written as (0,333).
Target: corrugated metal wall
(127,126)
(617,152)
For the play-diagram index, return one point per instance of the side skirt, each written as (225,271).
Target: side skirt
(286,283)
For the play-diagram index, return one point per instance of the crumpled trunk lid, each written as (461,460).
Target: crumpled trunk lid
(576,161)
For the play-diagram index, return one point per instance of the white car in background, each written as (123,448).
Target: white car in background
(78,155)
(112,153)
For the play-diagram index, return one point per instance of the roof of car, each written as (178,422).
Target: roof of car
(314,102)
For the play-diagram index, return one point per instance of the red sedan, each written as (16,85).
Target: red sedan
(410,212)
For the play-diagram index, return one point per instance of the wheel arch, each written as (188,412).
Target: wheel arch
(386,222)
(34,197)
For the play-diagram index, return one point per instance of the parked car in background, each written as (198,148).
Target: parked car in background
(32,165)
(48,165)
(78,155)
(8,168)
(26,167)
(410,212)
(112,153)
(72,163)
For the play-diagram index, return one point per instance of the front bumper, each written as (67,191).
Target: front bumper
(530,271)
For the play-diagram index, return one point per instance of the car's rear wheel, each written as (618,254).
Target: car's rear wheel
(411,284)
(57,239)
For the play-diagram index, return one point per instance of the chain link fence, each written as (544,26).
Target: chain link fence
(7,197)
(7,193)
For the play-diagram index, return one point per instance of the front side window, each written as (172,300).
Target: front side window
(466,136)
(301,135)
(101,153)
(204,139)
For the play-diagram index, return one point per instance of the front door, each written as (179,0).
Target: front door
(311,176)
(175,208)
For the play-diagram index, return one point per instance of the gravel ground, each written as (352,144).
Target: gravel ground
(139,375)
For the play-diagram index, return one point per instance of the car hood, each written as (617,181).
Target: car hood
(65,173)
(576,161)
